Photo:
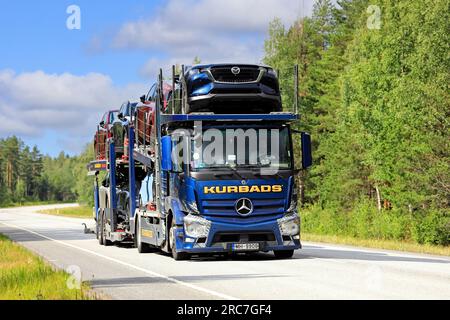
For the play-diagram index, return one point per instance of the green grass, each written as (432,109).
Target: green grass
(24,276)
(73,212)
(378,244)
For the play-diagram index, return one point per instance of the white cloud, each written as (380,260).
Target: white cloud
(184,22)
(32,103)
(214,30)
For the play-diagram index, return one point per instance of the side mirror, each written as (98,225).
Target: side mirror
(120,116)
(102,124)
(166,153)
(143,99)
(306,151)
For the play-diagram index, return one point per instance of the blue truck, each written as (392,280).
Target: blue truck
(214,184)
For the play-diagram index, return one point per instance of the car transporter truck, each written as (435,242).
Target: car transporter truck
(202,183)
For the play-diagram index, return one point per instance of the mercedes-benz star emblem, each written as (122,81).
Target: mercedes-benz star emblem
(244,206)
(235,70)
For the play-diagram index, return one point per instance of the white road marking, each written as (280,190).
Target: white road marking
(149,272)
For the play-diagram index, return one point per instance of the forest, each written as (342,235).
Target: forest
(28,176)
(373,93)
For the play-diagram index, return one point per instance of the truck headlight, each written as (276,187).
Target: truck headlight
(289,225)
(196,227)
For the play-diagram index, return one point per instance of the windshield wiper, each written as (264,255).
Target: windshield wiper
(258,174)
(237,172)
(218,167)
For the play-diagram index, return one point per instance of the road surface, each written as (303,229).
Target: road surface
(319,271)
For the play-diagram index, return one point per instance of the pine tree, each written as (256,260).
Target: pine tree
(36,169)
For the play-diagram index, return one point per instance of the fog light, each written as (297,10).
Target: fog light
(289,225)
(196,227)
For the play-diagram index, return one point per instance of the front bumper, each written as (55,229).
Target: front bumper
(213,244)
(223,100)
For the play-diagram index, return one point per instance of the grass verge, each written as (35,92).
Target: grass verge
(378,244)
(24,276)
(73,212)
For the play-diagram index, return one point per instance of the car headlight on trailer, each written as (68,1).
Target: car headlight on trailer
(196,227)
(289,225)
(194,72)
(272,73)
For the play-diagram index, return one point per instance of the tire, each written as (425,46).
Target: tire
(178,256)
(105,241)
(284,254)
(141,246)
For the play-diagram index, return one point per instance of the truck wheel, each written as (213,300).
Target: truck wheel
(141,246)
(173,244)
(284,254)
(105,241)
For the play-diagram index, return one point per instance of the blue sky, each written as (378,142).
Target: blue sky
(55,82)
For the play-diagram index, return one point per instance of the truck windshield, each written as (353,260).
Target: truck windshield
(242,148)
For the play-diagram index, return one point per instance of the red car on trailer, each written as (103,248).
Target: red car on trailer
(103,133)
(145,114)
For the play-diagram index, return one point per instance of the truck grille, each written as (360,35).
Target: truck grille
(224,74)
(227,207)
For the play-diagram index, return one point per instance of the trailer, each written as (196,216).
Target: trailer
(185,199)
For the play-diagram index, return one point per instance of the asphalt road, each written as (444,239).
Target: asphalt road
(319,271)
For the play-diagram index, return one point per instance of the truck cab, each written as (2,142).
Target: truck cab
(228,184)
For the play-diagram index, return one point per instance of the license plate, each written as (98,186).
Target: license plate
(245,247)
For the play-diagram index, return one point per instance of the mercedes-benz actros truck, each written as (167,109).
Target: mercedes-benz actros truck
(209,184)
